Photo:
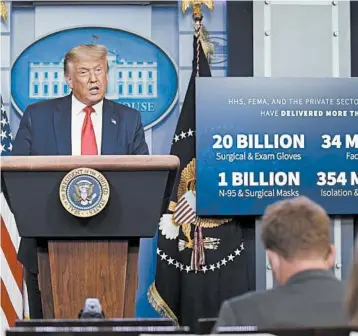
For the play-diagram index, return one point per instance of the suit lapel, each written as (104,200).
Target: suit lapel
(62,125)
(110,124)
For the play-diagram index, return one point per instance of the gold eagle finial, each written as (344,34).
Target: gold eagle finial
(200,30)
(185,4)
(3,10)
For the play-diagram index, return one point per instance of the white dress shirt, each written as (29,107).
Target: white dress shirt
(78,116)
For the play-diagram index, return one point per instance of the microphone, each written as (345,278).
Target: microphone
(91,309)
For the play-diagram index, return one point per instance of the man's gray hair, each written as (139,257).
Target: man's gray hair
(96,51)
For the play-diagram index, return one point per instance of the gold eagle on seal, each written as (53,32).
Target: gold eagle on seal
(84,192)
(184,211)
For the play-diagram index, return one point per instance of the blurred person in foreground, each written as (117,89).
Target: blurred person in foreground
(296,236)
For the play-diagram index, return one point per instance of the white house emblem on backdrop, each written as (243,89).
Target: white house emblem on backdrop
(126,79)
(141,75)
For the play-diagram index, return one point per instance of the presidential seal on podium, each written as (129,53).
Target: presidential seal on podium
(84,192)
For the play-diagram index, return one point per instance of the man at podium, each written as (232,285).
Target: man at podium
(82,123)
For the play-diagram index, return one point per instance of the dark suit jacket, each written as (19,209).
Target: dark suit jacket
(45,129)
(309,299)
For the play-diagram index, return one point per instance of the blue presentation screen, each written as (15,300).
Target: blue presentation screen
(259,140)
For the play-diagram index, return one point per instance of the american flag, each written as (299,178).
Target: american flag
(13,302)
(185,211)
(6,135)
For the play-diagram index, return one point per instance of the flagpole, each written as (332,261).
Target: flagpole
(198,254)
(197,17)
(199,30)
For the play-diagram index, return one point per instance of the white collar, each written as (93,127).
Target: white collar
(77,106)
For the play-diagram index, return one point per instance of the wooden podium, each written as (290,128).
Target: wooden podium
(95,256)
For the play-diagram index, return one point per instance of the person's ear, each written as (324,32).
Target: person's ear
(68,79)
(275,263)
(331,256)
(274,259)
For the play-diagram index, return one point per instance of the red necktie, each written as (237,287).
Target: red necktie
(88,141)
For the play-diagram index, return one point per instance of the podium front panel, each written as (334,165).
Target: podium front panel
(133,209)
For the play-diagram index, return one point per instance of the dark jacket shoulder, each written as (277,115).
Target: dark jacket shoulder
(309,297)
(124,111)
(46,104)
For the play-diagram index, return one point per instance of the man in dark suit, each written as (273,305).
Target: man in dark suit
(295,234)
(82,123)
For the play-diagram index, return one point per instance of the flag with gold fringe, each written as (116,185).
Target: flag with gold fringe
(200,261)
